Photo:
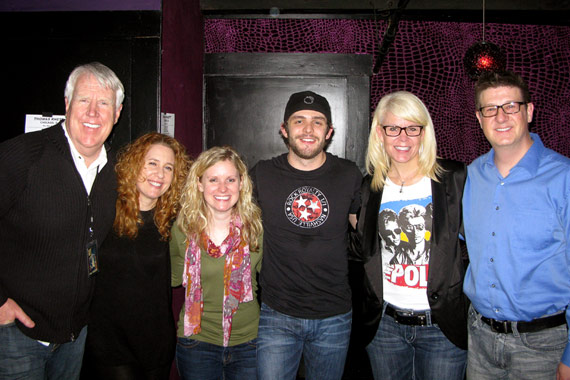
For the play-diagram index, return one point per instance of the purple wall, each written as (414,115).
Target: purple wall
(427,59)
(78,5)
(182,69)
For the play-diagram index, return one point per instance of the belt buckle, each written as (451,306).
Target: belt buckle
(501,327)
(410,318)
(402,317)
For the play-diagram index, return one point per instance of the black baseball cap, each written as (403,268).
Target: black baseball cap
(307,100)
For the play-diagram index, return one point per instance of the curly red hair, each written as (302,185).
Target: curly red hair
(128,168)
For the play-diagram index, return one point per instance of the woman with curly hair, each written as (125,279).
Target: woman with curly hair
(216,254)
(131,334)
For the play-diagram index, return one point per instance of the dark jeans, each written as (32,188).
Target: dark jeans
(283,339)
(25,358)
(401,352)
(205,361)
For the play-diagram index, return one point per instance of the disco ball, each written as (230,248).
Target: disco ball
(482,57)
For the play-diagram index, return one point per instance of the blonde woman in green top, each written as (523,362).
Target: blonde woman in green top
(216,255)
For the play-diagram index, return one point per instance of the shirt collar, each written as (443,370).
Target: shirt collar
(78,159)
(531,159)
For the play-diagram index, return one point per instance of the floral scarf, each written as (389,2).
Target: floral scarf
(237,278)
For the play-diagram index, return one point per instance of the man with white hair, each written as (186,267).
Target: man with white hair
(56,207)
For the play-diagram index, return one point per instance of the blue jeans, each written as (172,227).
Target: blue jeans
(513,356)
(283,339)
(206,361)
(400,352)
(25,358)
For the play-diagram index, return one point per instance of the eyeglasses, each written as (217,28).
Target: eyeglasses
(418,227)
(394,130)
(508,108)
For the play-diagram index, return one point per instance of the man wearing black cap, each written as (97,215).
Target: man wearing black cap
(307,197)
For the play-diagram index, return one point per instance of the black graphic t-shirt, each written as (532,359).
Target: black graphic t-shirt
(304,271)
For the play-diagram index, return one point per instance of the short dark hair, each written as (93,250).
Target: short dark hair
(493,79)
(386,216)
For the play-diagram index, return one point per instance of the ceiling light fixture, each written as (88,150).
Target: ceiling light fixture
(483,56)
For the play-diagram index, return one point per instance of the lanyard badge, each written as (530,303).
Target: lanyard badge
(91,247)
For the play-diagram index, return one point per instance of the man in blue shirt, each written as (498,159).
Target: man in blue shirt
(517,227)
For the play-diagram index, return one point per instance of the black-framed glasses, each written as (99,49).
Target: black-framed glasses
(508,108)
(394,130)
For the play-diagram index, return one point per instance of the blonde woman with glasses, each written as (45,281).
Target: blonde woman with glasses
(412,311)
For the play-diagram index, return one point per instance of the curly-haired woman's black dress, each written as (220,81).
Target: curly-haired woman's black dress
(131,333)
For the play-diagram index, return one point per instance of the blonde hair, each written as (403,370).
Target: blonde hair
(128,168)
(407,106)
(193,218)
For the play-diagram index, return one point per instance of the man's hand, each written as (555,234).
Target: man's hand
(563,372)
(10,311)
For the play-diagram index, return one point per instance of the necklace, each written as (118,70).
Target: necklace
(402,181)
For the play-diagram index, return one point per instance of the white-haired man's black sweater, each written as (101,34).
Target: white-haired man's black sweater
(44,219)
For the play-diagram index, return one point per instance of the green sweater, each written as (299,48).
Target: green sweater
(246,318)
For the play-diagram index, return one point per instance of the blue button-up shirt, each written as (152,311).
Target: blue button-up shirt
(517,230)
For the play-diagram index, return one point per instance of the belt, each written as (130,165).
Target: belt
(408,317)
(505,327)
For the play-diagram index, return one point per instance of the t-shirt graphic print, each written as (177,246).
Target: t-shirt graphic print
(404,227)
(307,207)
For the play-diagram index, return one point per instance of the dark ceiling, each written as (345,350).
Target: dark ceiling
(540,12)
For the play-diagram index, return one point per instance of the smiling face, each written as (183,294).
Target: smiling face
(90,116)
(220,185)
(307,133)
(403,148)
(506,131)
(155,176)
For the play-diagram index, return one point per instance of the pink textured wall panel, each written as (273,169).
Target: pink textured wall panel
(426,58)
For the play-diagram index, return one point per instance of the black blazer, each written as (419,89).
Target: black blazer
(447,264)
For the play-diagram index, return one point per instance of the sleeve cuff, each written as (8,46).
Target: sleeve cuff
(566,356)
